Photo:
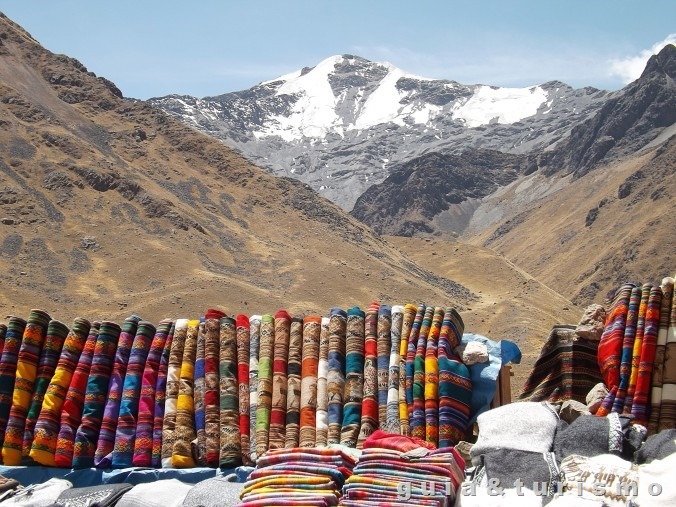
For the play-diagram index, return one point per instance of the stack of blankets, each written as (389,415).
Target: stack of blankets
(220,391)
(301,476)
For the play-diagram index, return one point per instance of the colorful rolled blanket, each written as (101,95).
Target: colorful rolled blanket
(173,383)
(293,373)
(627,350)
(184,431)
(410,361)
(322,415)
(26,373)
(255,333)
(243,352)
(161,398)
(48,422)
(668,404)
(392,409)
(3,330)
(638,346)
(418,429)
(384,353)
(265,357)
(230,452)
(312,329)
(71,412)
(335,384)
(432,379)
(279,380)
(369,407)
(212,395)
(354,378)
(200,443)
(125,435)
(406,326)
(660,349)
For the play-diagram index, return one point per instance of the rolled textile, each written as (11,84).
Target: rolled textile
(173,384)
(26,373)
(418,429)
(312,331)
(640,404)
(161,398)
(200,443)
(335,380)
(406,326)
(125,435)
(96,395)
(254,347)
(354,378)
(432,379)
(212,394)
(143,438)
(658,363)
(265,357)
(610,345)
(384,333)
(410,361)
(668,403)
(3,330)
(392,406)
(638,347)
(73,403)
(184,430)
(230,451)
(10,353)
(49,357)
(243,351)
(279,380)
(369,409)
(322,408)
(627,350)
(293,375)
(455,384)
(106,442)
(48,421)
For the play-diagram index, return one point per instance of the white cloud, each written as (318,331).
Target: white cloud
(630,68)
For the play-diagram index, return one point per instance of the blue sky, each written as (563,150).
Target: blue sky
(208,47)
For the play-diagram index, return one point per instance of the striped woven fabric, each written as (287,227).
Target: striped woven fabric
(627,349)
(293,375)
(455,385)
(610,345)
(322,414)
(3,331)
(200,450)
(212,395)
(410,361)
(369,408)
(125,435)
(354,379)
(10,353)
(384,354)
(73,403)
(432,379)
(312,330)
(279,380)
(418,417)
(668,404)
(230,451)
(184,430)
(640,405)
(26,372)
(660,349)
(406,326)
(161,398)
(173,384)
(143,438)
(265,358)
(243,352)
(49,357)
(335,383)
(95,397)
(392,406)
(255,334)
(104,448)
(638,347)
(48,421)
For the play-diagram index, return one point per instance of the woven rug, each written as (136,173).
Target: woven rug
(184,430)
(322,414)
(406,326)
(293,374)
(418,429)
(354,378)
(73,403)
(265,358)
(212,394)
(410,362)
(26,374)
(384,355)
(230,451)
(336,375)
(243,353)
(172,388)
(432,379)
(106,442)
(125,434)
(660,350)
(312,330)
(48,421)
(279,380)
(161,398)
(96,395)
(638,347)
(668,404)
(392,405)
(627,349)
(255,333)
(49,358)
(200,443)
(369,409)
(143,438)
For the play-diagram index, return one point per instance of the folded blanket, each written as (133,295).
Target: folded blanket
(162,493)
(40,495)
(105,495)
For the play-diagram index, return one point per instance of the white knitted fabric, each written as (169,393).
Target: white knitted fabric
(162,493)
(40,495)
(657,477)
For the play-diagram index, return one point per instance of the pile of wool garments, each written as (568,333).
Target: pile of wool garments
(220,391)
